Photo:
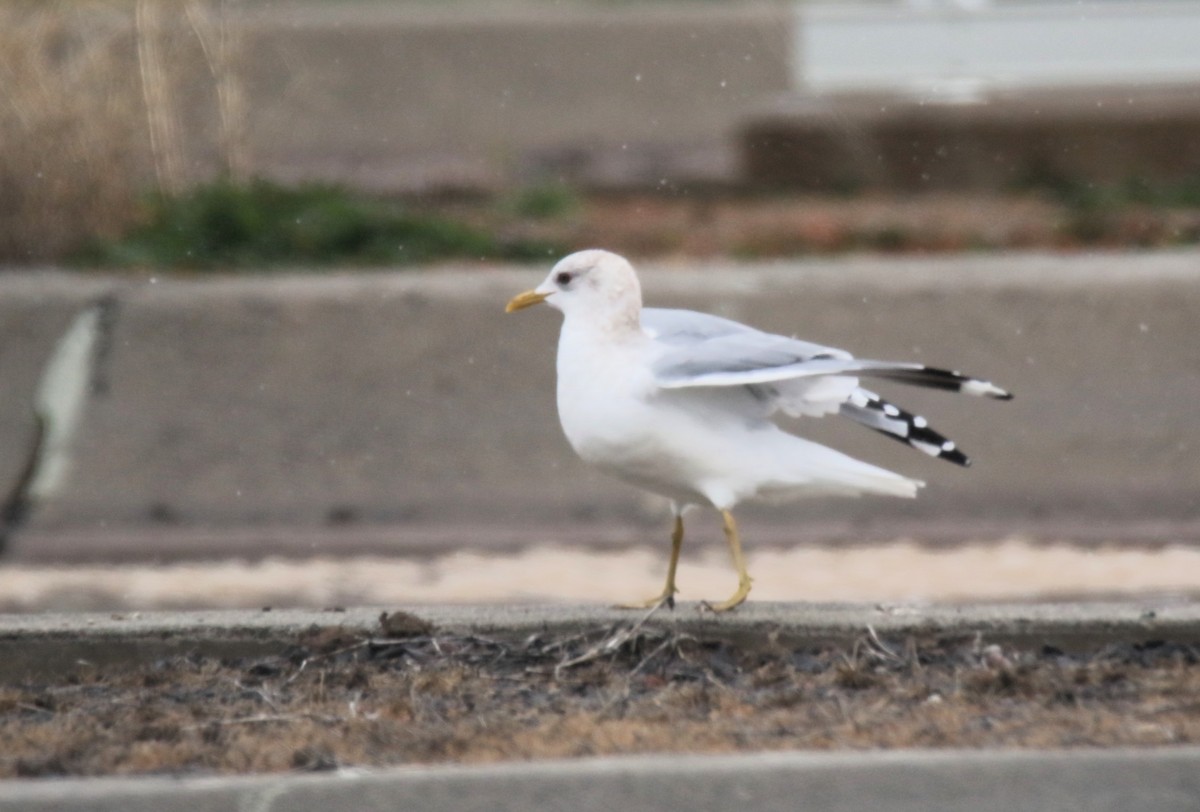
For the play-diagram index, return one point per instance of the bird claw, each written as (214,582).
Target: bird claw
(667,599)
(734,602)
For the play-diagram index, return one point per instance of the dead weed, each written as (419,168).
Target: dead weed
(414,694)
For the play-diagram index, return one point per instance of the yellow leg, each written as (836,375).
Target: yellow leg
(667,596)
(739,563)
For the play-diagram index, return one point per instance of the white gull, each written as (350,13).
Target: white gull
(682,403)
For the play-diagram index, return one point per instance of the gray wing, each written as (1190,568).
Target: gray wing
(701,350)
(704,350)
(799,377)
(691,329)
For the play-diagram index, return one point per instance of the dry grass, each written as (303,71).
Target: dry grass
(89,118)
(416,695)
(70,127)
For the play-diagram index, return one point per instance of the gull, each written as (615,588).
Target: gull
(683,404)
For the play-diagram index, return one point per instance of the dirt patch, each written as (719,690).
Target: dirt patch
(761,225)
(411,694)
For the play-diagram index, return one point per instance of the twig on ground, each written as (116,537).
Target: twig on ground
(878,647)
(370,642)
(608,645)
(672,640)
(267,718)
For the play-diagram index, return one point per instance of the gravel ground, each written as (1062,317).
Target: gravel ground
(408,693)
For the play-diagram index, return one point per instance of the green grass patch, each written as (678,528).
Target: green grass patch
(1181,193)
(549,200)
(263,224)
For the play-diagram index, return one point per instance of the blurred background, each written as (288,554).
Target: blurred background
(255,255)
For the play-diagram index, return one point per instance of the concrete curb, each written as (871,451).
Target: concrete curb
(1152,780)
(62,643)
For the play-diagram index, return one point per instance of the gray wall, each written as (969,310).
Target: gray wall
(411,95)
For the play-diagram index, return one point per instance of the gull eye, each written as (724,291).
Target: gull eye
(562,279)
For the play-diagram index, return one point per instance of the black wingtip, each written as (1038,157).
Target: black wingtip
(955,456)
(891,421)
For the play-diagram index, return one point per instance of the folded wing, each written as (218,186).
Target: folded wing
(799,377)
(703,350)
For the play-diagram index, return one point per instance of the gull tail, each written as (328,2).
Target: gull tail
(809,468)
(890,420)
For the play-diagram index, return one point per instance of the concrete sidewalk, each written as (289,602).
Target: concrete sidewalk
(891,573)
(1152,780)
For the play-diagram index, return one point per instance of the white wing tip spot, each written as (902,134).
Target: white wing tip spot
(981,388)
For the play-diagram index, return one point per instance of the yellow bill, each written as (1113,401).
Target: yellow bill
(523,300)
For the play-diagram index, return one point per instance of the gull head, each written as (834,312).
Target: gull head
(594,285)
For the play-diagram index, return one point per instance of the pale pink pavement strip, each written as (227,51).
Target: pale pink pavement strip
(901,572)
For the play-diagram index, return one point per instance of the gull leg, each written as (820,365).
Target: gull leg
(667,596)
(739,563)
